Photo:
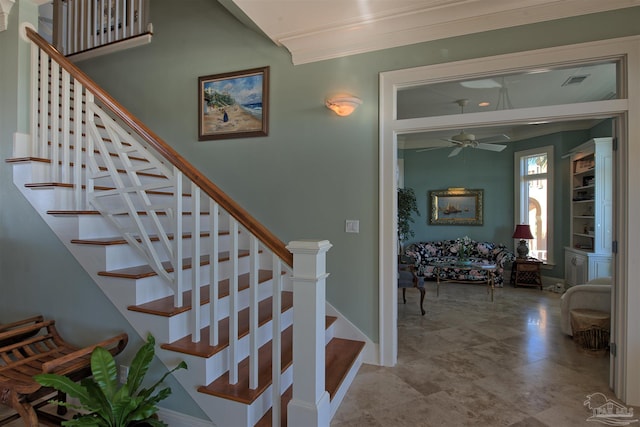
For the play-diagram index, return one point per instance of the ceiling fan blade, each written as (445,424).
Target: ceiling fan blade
(453,141)
(490,147)
(428,149)
(494,138)
(455,151)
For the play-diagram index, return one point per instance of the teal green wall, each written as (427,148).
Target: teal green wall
(312,172)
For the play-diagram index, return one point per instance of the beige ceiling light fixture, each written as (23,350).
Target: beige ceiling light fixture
(343,105)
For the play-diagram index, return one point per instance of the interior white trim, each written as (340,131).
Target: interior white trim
(627,261)
(521,207)
(316,31)
(106,49)
(177,419)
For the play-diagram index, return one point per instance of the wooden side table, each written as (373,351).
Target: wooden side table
(526,272)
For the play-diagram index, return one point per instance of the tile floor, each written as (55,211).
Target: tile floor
(469,361)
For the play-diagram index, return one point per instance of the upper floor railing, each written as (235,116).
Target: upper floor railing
(83,25)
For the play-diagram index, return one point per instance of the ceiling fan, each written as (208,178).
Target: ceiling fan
(468,140)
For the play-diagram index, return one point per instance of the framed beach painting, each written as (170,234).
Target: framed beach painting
(233,105)
(456,206)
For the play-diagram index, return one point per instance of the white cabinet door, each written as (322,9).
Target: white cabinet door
(599,266)
(575,265)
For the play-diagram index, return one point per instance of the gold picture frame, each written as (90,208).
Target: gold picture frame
(456,206)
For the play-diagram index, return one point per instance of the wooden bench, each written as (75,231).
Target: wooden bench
(33,346)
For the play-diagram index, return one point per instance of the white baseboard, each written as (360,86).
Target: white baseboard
(346,329)
(177,419)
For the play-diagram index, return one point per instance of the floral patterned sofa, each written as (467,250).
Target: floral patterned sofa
(425,253)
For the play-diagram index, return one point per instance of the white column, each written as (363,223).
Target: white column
(310,406)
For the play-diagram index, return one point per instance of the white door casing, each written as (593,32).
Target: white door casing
(626,333)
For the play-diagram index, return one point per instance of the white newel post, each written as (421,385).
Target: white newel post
(310,406)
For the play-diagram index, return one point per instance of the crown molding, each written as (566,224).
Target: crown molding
(328,29)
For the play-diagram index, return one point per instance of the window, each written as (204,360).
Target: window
(534,199)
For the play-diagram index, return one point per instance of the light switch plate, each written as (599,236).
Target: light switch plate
(352,226)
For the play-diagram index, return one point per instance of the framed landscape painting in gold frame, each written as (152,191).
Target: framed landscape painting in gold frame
(456,206)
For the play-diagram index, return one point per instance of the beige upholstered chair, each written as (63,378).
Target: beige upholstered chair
(594,295)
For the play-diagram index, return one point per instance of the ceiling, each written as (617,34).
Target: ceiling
(542,87)
(316,30)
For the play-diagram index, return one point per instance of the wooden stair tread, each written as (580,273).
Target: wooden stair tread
(62,185)
(27,160)
(109,241)
(71,164)
(97,187)
(142,271)
(240,392)
(92,212)
(165,306)
(340,354)
(204,349)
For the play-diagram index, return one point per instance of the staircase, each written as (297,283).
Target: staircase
(180,259)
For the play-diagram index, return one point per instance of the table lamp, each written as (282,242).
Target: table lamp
(522,232)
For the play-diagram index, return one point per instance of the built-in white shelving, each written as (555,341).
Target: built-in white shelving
(591,177)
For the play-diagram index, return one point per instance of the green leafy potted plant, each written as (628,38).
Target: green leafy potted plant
(103,402)
(407,206)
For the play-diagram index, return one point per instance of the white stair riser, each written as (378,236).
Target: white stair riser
(33,172)
(158,201)
(136,291)
(123,255)
(146,289)
(207,370)
(217,364)
(96,227)
(65,172)
(227,413)
(176,327)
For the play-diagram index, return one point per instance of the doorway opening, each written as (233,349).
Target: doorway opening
(391,127)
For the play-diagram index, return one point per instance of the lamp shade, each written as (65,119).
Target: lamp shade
(522,232)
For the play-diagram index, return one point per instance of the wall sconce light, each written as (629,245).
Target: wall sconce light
(343,105)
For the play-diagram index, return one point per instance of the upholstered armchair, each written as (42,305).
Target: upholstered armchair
(594,295)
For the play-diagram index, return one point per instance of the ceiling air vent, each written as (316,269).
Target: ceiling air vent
(575,80)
